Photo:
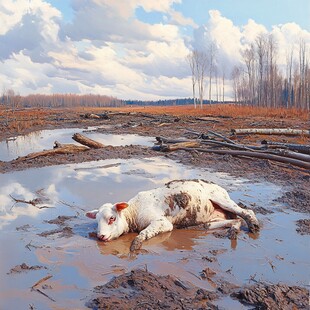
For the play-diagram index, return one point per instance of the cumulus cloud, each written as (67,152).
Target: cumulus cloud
(106,49)
(231,40)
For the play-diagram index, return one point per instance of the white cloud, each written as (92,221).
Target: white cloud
(106,49)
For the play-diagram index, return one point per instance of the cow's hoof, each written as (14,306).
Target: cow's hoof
(136,244)
(233,233)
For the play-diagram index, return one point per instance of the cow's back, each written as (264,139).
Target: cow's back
(183,203)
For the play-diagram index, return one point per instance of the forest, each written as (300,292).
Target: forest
(260,80)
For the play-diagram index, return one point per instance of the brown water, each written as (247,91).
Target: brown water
(79,262)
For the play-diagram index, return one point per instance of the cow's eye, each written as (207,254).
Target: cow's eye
(111,220)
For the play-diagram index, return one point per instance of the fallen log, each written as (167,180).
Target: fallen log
(95,116)
(302,148)
(295,162)
(178,146)
(87,141)
(234,146)
(58,149)
(272,131)
(162,140)
(287,153)
(207,119)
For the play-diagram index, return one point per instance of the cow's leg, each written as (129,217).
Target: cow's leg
(229,205)
(233,225)
(156,227)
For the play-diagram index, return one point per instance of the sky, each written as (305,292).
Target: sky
(135,49)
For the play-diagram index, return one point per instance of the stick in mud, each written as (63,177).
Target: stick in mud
(35,287)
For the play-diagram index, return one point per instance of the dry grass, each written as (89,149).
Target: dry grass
(25,119)
(215,110)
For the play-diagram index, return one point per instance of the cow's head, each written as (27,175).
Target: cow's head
(110,223)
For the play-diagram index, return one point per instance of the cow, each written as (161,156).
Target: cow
(179,204)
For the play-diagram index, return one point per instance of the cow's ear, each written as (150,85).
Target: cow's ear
(121,206)
(92,214)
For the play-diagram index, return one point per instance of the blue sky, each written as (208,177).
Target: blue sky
(135,49)
(266,12)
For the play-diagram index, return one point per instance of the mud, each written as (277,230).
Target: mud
(140,289)
(273,297)
(303,226)
(212,279)
(24,268)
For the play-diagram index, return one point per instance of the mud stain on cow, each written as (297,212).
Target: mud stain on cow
(181,200)
(189,219)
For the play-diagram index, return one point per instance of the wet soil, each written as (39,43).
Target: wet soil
(140,289)
(278,296)
(24,267)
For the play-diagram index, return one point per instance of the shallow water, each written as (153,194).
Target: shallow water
(44,139)
(78,263)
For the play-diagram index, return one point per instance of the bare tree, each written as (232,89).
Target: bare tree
(249,59)
(212,51)
(201,60)
(236,76)
(192,58)
(289,68)
(261,53)
(223,86)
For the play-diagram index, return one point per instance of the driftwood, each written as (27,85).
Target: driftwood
(302,148)
(290,154)
(207,137)
(95,116)
(234,145)
(207,119)
(295,162)
(86,141)
(162,140)
(179,146)
(272,131)
(58,149)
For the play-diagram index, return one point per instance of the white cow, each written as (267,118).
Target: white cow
(180,203)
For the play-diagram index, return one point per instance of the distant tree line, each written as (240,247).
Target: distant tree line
(259,81)
(168,102)
(12,100)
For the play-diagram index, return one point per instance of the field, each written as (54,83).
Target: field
(51,246)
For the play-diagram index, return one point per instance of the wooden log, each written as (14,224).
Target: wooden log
(302,148)
(180,145)
(221,136)
(295,162)
(272,131)
(87,141)
(287,153)
(207,119)
(161,139)
(58,149)
(95,116)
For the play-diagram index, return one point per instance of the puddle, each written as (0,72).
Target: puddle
(77,262)
(44,139)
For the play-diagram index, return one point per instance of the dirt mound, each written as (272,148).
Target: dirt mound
(277,296)
(297,200)
(303,226)
(140,289)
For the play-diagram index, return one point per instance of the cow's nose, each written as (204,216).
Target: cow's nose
(101,237)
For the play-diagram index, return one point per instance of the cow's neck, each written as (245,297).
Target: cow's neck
(129,215)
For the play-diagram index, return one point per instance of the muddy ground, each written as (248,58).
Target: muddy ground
(134,287)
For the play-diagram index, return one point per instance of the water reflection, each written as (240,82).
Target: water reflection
(44,139)
(79,263)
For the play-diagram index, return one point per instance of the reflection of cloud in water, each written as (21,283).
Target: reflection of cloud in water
(44,139)
(91,184)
